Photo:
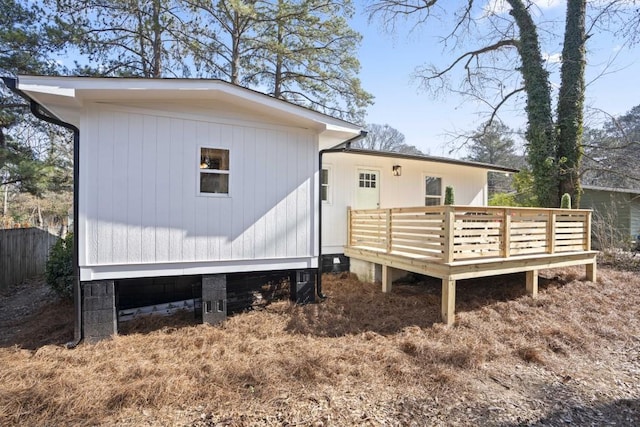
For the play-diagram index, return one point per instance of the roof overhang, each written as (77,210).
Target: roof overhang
(425,158)
(65,97)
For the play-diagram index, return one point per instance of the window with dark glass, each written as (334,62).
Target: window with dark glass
(433,191)
(367,180)
(324,185)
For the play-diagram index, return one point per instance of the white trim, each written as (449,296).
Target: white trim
(131,271)
(329,184)
(424,189)
(108,88)
(216,171)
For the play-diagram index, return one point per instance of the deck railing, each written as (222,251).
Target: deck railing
(454,233)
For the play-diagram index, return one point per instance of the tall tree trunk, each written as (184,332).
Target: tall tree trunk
(540,135)
(5,201)
(141,46)
(277,74)
(235,49)
(157,41)
(40,220)
(571,101)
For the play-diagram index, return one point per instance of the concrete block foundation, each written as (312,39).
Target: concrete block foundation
(99,314)
(214,298)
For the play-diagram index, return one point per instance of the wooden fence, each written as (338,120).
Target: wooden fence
(23,254)
(454,233)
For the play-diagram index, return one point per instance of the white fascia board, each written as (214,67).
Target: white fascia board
(46,89)
(92,88)
(132,271)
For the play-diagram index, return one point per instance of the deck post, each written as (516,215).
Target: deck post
(506,233)
(551,232)
(449,221)
(532,283)
(387,278)
(587,233)
(388,231)
(448,301)
(592,271)
(348,225)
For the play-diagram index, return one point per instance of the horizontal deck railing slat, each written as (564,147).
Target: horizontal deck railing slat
(450,233)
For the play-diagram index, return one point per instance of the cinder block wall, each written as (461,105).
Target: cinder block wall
(99,314)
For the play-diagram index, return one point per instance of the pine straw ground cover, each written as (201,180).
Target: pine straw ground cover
(359,358)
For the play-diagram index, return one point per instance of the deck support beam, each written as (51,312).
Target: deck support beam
(532,283)
(387,278)
(449,273)
(448,301)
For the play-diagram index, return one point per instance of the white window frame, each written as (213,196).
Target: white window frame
(329,184)
(216,171)
(426,196)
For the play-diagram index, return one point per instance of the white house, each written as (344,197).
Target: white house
(184,177)
(201,178)
(364,179)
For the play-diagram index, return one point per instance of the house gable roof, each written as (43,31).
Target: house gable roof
(65,96)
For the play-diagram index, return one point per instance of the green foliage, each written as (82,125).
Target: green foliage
(523,196)
(24,38)
(59,268)
(565,203)
(492,143)
(300,51)
(448,196)
(569,148)
(503,199)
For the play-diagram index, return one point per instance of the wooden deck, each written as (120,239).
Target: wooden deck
(462,242)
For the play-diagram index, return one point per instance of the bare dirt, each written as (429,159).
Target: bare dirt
(571,357)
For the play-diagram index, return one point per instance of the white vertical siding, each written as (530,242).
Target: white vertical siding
(139,191)
(149,161)
(163,181)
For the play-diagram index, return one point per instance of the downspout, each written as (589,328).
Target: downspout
(77,301)
(40,112)
(340,148)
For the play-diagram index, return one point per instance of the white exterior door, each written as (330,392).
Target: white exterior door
(368,189)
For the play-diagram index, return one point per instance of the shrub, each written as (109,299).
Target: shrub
(503,199)
(565,202)
(59,268)
(448,196)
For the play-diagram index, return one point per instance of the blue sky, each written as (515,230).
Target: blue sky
(388,61)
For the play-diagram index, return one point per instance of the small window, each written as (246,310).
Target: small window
(214,171)
(324,185)
(367,180)
(433,191)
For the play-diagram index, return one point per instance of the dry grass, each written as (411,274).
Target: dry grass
(360,358)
